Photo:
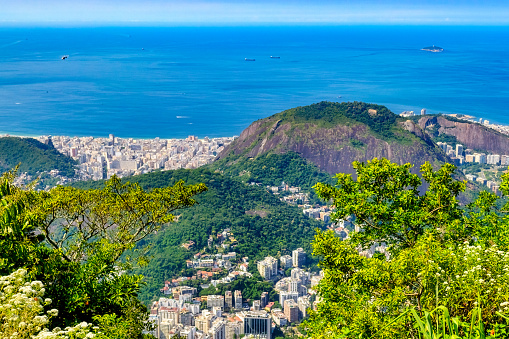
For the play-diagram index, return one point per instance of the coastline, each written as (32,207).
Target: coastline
(502,128)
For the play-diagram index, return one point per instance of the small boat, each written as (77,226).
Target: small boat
(275,57)
(65,57)
(249,59)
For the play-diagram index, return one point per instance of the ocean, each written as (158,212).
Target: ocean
(171,82)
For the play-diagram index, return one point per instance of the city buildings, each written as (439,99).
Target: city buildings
(286,261)
(238,300)
(298,257)
(267,268)
(100,158)
(291,310)
(228,299)
(215,301)
(256,323)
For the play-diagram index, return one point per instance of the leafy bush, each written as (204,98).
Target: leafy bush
(438,254)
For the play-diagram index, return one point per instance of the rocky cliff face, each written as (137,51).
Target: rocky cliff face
(334,147)
(470,135)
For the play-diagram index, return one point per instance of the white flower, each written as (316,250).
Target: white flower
(53,312)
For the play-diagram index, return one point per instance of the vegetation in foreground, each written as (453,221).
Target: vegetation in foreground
(78,267)
(445,273)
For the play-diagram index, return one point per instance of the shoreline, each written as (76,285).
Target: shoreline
(503,128)
(5,135)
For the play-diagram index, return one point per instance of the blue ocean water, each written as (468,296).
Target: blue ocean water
(180,81)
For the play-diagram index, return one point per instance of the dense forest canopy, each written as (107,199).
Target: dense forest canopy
(272,169)
(33,157)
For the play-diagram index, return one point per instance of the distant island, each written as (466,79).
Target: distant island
(434,49)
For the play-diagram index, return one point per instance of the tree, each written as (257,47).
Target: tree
(439,254)
(86,244)
(387,204)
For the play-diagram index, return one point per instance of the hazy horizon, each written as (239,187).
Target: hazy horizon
(253,12)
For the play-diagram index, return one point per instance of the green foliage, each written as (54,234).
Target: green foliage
(80,244)
(386,201)
(271,169)
(33,157)
(440,257)
(18,238)
(378,118)
(357,143)
(224,205)
(447,327)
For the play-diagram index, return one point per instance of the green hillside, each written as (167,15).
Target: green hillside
(272,169)
(260,222)
(33,157)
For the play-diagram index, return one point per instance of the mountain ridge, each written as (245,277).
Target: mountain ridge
(333,135)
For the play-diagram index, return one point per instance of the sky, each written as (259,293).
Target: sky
(253,12)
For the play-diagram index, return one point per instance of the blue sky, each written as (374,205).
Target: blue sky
(247,12)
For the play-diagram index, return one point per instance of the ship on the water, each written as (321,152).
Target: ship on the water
(433,49)
(275,57)
(247,59)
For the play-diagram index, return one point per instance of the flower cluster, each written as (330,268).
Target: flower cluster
(80,331)
(467,276)
(22,311)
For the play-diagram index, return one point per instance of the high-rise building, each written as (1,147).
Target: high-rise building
(228,299)
(233,329)
(286,261)
(459,150)
(186,318)
(256,305)
(283,296)
(423,111)
(256,323)
(469,158)
(504,160)
(291,310)
(298,257)
(215,301)
(267,268)
(238,299)
(480,158)
(216,311)
(293,286)
(304,304)
(203,322)
(264,299)
(493,159)
(217,331)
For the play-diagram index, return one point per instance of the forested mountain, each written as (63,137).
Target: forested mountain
(333,135)
(260,222)
(33,157)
